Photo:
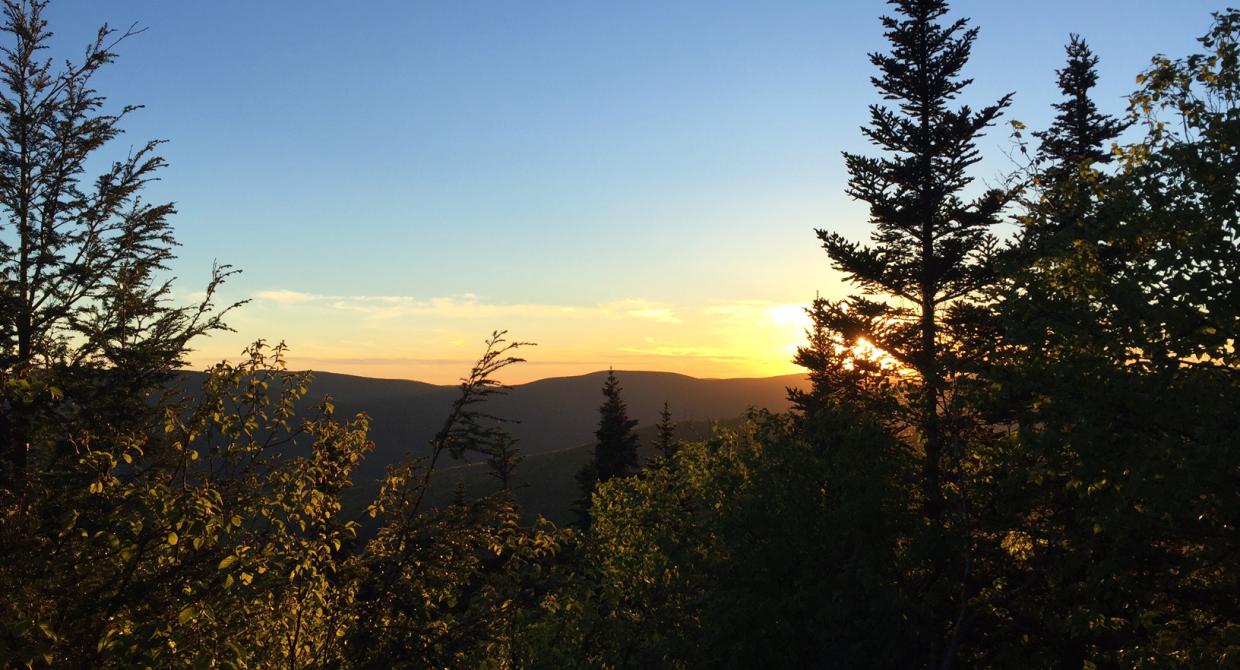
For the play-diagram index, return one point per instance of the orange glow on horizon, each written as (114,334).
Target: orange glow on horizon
(437,340)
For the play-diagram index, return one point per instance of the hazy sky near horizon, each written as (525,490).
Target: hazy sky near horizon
(628,184)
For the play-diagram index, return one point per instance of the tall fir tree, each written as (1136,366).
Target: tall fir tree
(615,447)
(1054,272)
(665,444)
(1118,370)
(1080,133)
(1068,151)
(931,246)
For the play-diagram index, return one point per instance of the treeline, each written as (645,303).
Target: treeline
(1015,452)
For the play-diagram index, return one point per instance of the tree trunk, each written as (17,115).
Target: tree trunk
(933,445)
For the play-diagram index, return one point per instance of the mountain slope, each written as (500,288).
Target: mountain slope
(553,414)
(557,418)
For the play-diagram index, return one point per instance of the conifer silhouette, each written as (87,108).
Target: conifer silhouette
(1075,142)
(1080,133)
(615,447)
(930,245)
(504,457)
(86,309)
(665,439)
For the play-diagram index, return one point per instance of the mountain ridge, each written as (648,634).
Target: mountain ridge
(555,414)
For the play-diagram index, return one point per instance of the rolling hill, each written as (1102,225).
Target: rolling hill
(557,418)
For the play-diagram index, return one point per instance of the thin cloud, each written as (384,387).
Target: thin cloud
(285,297)
(468,306)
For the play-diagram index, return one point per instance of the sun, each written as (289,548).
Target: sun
(865,350)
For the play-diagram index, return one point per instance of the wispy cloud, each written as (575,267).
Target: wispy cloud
(284,297)
(707,353)
(467,306)
(640,309)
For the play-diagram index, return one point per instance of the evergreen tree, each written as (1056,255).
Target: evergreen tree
(1068,152)
(1080,133)
(930,246)
(665,444)
(504,457)
(615,447)
(81,257)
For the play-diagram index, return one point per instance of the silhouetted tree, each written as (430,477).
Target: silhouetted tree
(81,257)
(504,457)
(665,443)
(1069,150)
(930,246)
(1080,133)
(615,446)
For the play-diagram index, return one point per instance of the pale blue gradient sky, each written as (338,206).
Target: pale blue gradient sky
(614,180)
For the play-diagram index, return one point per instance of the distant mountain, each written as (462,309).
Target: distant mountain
(557,419)
(554,414)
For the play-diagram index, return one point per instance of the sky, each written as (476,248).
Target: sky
(627,184)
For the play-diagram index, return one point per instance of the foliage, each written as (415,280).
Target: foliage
(720,560)
(165,549)
(1022,457)
(1116,377)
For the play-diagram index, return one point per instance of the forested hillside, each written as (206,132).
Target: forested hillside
(1014,449)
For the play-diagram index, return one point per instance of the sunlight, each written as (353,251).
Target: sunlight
(792,321)
(864,350)
(791,316)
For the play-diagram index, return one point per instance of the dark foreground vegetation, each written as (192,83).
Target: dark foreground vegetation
(1039,465)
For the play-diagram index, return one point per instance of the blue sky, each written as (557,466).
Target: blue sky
(638,166)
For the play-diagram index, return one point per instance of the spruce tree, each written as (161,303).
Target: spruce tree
(1076,141)
(930,246)
(615,447)
(1080,133)
(665,444)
